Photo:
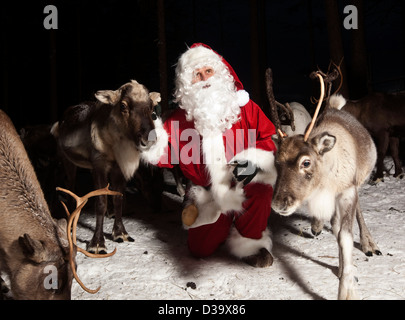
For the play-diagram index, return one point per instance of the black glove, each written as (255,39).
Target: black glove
(157,112)
(244,171)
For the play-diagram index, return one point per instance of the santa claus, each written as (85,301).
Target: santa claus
(221,141)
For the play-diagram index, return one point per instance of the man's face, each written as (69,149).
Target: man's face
(211,100)
(202,74)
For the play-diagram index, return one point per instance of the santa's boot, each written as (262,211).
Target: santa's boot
(260,260)
(255,252)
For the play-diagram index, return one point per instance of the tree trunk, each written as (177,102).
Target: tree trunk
(359,83)
(334,23)
(53,76)
(162,55)
(3,63)
(258,52)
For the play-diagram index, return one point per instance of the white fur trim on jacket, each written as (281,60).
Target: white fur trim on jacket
(154,153)
(264,160)
(208,209)
(243,97)
(242,247)
(227,198)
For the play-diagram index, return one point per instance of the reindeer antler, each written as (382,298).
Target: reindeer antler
(273,103)
(318,107)
(339,70)
(71,233)
(329,77)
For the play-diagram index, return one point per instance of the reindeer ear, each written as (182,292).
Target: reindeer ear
(323,142)
(108,96)
(33,249)
(155,97)
(62,227)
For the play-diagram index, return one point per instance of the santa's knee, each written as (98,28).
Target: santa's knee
(201,251)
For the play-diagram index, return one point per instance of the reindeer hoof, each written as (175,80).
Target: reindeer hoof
(400,176)
(316,233)
(370,253)
(97,249)
(122,238)
(376,181)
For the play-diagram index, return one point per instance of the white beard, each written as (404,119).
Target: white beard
(212,104)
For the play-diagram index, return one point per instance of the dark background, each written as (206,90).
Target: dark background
(103,44)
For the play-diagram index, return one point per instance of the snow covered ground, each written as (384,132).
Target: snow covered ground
(158,266)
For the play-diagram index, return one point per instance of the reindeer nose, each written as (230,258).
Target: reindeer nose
(288,201)
(283,203)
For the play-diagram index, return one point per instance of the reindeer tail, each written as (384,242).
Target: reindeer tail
(337,101)
(55,129)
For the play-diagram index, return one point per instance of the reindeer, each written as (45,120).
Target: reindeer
(107,136)
(383,115)
(325,168)
(33,246)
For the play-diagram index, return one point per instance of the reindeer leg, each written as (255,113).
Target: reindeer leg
(316,226)
(368,245)
(382,143)
(118,183)
(394,148)
(335,222)
(4,290)
(97,243)
(347,203)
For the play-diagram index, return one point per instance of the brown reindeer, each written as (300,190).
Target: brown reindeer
(325,168)
(36,251)
(107,136)
(383,115)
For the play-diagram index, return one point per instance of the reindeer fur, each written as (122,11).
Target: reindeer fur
(107,136)
(30,240)
(326,171)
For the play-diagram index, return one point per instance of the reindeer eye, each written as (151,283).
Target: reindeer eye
(305,164)
(124,106)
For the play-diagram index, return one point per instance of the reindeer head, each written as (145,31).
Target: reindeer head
(46,273)
(132,112)
(48,270)
(299,164)
(299,167)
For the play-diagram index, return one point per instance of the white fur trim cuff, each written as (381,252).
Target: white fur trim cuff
(155,153)
(208,209)
(241,247)
(243,97)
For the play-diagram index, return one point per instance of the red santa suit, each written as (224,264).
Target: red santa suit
(228,211)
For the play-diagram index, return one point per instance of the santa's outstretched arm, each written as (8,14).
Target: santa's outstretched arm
(261,163)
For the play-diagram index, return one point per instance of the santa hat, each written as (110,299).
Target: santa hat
(200,55)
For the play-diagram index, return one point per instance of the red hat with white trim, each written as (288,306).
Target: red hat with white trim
(201,55)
